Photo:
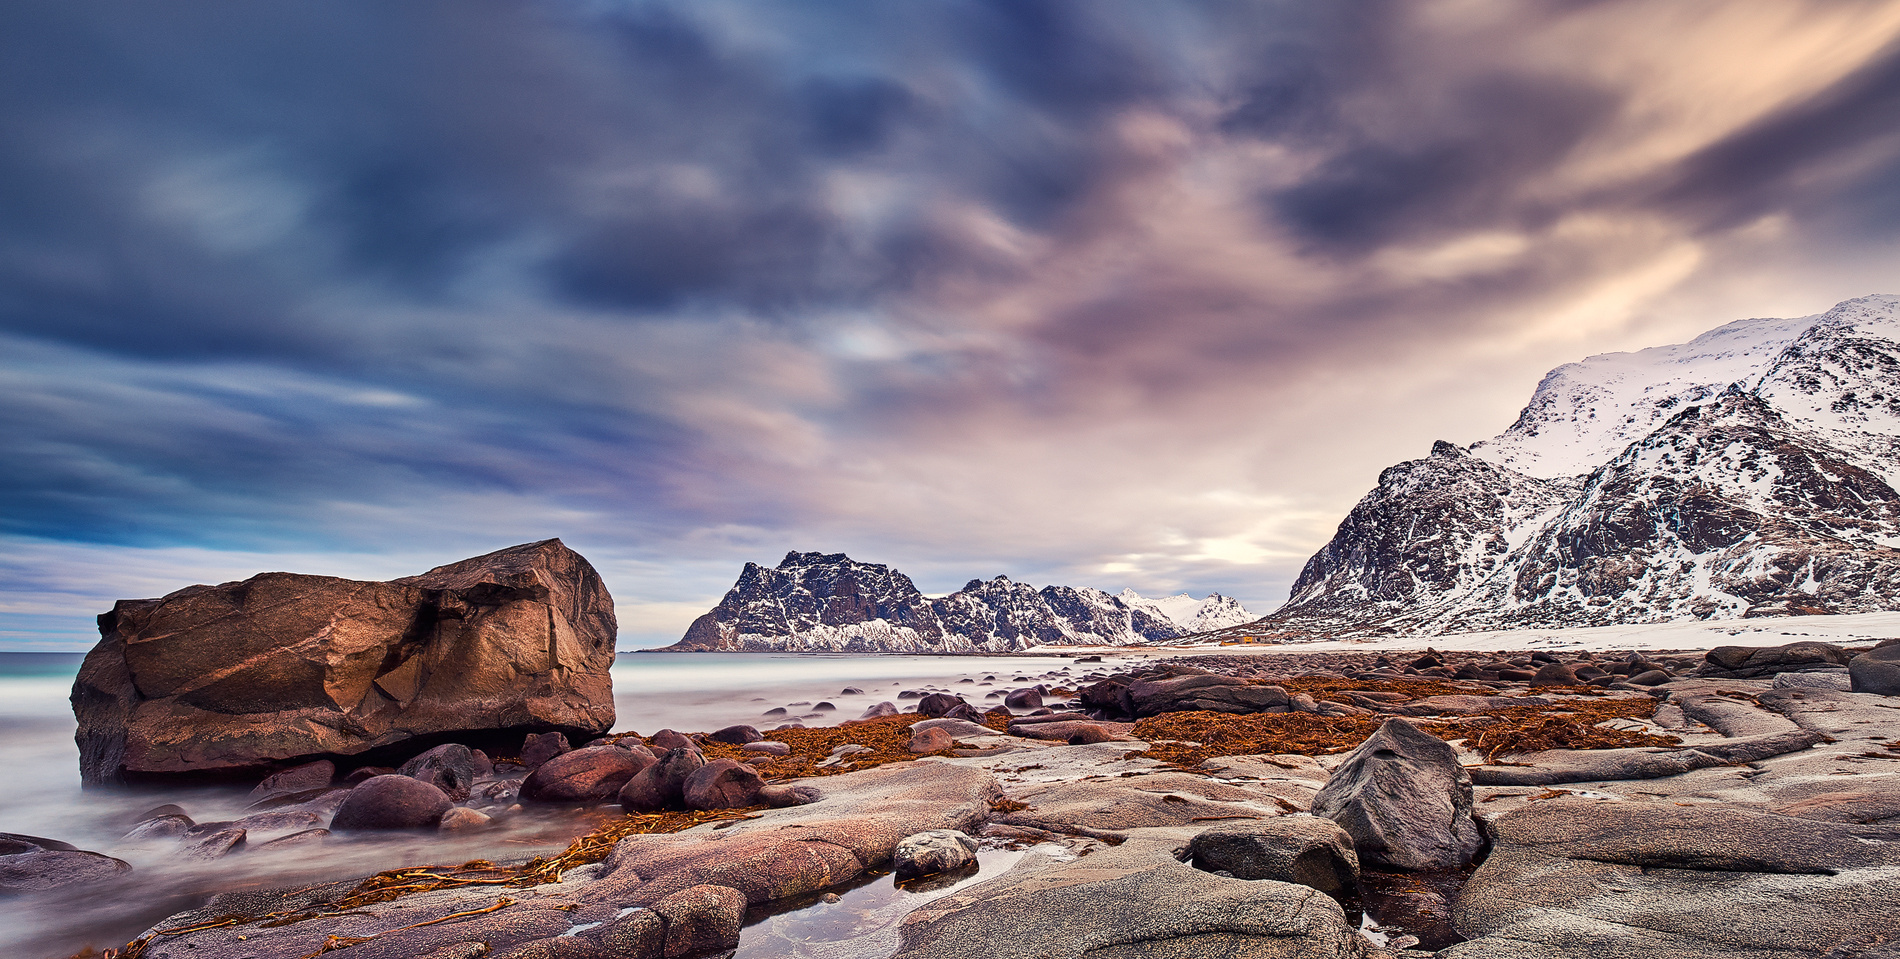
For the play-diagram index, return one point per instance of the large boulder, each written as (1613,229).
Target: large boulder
(1221,694)
(1877,670)
(1753,662)
(233,680)
(1405,800)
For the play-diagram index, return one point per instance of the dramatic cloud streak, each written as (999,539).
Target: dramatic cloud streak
(1102,293)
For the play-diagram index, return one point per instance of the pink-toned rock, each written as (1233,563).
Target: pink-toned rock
(589,775)
(723,784)
(930,741)
(701,919)
(541,747)
(663,784)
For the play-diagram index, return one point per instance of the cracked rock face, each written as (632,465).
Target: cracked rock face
(233,680)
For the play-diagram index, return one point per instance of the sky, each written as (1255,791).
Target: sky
(1117,294)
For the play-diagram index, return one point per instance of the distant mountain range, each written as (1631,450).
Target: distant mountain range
(830,602)
(1748,472)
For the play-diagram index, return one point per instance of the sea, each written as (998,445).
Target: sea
(689,692)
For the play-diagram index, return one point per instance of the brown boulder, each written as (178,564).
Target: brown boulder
(230,680)
(588,775)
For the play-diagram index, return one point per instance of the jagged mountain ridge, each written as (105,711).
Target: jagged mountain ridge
(1770,494)
(816,602)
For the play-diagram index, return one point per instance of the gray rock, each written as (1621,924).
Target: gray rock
(1221,694)
(1752,662)
(1132,901)
(1307,850)
(157,828)
(766,748)
(1628,880)
(391,802)
(880,710)
(450,767)
(929,853)
(1405,800)
(1877,671)
(30,864)
(1819,679)
(297,779)
(1611,765)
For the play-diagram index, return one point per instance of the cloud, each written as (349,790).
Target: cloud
(1115,294)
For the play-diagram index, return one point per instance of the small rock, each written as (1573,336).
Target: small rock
(449,767)
(391,802)
(463,818)
(768,748)
(1030,698)
(161,827)
(930,741)
(851,691)
(309,837)
(780,795)
(1307,850)
(663,784)
(667,739)
(731,735)
(313,775)
(588,775)
(938,704)
(723,784)
(541,747)
(1841,680)
(1557,674)
(213,844)
(929,853)
(1087,733)
(880,710)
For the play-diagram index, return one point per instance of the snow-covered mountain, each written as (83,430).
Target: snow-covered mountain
(1749,472)
(1193,615)
(830,602)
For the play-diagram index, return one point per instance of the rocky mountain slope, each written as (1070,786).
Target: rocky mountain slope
(1749,472)
(830,602)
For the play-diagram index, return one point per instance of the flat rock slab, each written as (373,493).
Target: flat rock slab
(1133,802)
(1134,901)
(1626,880)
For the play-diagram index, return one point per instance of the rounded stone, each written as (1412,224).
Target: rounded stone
(391,802)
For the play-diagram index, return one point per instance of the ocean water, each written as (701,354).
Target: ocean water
(684,691)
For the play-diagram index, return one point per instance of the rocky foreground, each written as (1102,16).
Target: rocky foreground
(1745,803)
